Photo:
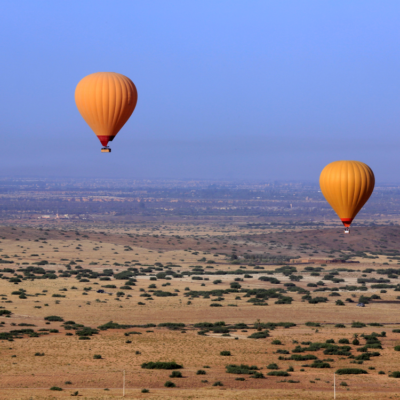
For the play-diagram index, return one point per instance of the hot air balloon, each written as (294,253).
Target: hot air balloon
(106,100)
(347,186)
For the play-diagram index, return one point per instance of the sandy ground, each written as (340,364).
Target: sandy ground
(67,359)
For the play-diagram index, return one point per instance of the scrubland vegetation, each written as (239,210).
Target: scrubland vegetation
(198,308)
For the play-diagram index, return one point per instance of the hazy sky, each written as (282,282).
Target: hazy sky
(227,89)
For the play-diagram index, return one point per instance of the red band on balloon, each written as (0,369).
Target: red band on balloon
(346,221)
(105,139)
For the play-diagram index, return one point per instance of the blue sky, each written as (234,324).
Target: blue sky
(260,90)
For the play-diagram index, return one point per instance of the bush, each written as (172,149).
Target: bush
(172,325)
(259,335)
(344,341)
(258,375)
(320,364)
(97,357)
(161,365)
(278,373)
(56,388)
(314,324)
(225,353)
(397,348)
(113,325)
(201,372)
(340,326)
(272,366)
(54,318)
(276,341)
(218,383)
(299,357)
(395,374)
(176,374)
(358,325)
(350,371)
(169,384)
(240,369)
(145,390)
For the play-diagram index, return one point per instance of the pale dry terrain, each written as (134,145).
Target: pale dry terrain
(64,358)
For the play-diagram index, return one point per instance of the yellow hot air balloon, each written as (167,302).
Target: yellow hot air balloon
(106,100)
(347,186)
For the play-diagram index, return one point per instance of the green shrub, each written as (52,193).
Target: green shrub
(397,348)
(145,390)
(169,384)
(201,372)
(300,357)
(97,357)
(113,325)
(272,366)
(320,364)
(240,369)
(54,318)
(356,324)
(218,383)
(395,374)
(259,335)
(344,341)
(314,324)
(56,388)
(350,371)
(161,365)
(172,325)
(257,375)
(278,373)
(225,353)
(176,374)
(276,341)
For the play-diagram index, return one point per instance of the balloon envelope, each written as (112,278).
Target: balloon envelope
(106,100)
(346,186)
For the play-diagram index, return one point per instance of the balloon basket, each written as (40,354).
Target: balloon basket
(106,150)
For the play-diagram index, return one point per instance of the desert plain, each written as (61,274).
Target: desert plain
(239,306)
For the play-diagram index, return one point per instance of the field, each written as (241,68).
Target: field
(189,292)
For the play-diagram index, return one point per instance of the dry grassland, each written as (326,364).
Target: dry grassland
(68,359)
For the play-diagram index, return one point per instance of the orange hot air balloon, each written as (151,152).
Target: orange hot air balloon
(347,186)
(106,100)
